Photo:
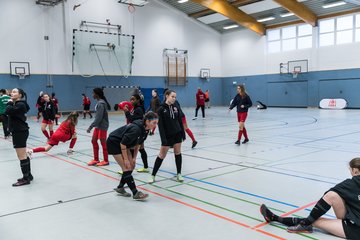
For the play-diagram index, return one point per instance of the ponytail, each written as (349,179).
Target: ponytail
(100,93)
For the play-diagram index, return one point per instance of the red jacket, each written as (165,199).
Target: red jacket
(200,98)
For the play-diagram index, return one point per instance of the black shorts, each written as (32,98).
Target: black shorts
(113,148)
(87,107)
(351,230)
(19,139)
(172,140)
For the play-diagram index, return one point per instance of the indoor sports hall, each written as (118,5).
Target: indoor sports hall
(269,146)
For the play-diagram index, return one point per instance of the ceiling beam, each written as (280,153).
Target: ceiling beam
(233,13)
(237,3)
(300,10)
(330,15)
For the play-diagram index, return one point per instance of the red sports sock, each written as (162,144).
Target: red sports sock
(46,134)
(153,130)
(245,133)
(191,135)
(51,133)
(105,152)
(72,143)
(240,134)
(39,149)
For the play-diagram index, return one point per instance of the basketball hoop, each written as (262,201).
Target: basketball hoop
(21,76)
(295,74)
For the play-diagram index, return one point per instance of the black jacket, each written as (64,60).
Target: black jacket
(17,115)
(154,104)
(170,122)
(238,101)
(136,114)
(349,191)
(129,135)
(48,110)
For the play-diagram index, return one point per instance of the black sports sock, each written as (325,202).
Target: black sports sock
(144,157)
(122,180)
(320,209)
(25,168)
(130,182)
(90,114)
(289,221)
(178,161)
(270,216)
(157,165)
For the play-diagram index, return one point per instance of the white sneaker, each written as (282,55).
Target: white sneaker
(179,178)
(194,118)
(29,153)
(152,179)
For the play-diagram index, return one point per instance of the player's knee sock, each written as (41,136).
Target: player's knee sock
(245,133)
(39,149)
(191,135)
(144,157)
(157,165)
(240,134)
(51,133)
(178,162)
(72,143)
(25,168)
(46,134)
(320,209)
(130,182)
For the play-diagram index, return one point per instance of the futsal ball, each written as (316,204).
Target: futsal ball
(125,103)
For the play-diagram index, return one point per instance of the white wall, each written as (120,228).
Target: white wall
(155,26)
(244,53)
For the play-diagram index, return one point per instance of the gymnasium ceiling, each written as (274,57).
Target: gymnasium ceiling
(310,10)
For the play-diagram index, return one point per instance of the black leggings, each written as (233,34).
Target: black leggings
(202,110)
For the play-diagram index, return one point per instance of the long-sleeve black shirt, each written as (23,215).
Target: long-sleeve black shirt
(135,114)
(129,135)
(238,101)
(170,122)
(17,115)
(48,110)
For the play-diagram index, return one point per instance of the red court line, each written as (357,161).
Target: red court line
(287,214)
(172,199)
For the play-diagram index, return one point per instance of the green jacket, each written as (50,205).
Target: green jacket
(3,102)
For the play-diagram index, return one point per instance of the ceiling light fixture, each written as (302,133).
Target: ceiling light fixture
(287,14)
(334,4)
(183,1)
(265,19)
(231,26)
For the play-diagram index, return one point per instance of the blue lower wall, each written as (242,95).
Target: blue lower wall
(282,90)
(272,89)
(68,88)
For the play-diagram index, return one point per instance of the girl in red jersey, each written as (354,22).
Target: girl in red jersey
(48,113)
(200,103)
(100,125)
(64,133)
(86,105)
(242,102)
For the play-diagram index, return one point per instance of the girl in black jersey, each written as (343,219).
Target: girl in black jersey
(171,132)
(120,143)
(344,198)
(48,111)
(16,109)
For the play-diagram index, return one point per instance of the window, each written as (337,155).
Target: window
(357,28)
(344,37)
(344,23)
(327,25)
(326,39)
(290,38)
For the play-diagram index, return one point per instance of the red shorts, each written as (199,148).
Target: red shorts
(57,137)
(99,134)
(242,116)
(49,122)
(183,119)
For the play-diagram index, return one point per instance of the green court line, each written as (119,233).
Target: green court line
(202,201)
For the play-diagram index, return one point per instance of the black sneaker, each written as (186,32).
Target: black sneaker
(21,182)
(245,141)
(194,143)
(266,213)
(237,142)
(300,228)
